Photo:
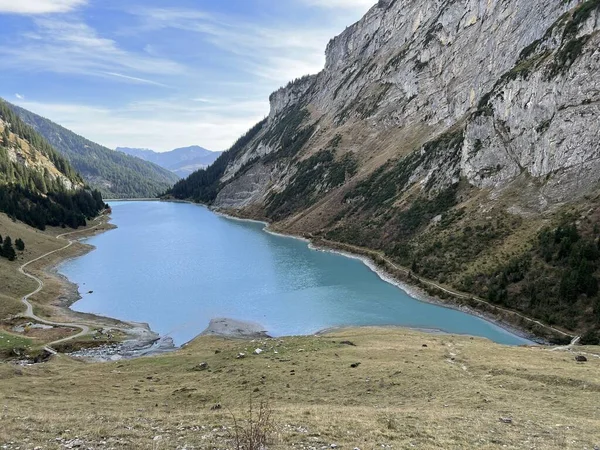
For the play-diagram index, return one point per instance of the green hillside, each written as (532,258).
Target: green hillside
(37,185)
(114,174)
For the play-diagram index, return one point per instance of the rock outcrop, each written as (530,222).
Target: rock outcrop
(521,78)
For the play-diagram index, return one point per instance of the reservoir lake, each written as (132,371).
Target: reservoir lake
(176,266)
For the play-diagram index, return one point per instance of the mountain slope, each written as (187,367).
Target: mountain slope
(460,139)
(181,161)
(116,175)
(37,185)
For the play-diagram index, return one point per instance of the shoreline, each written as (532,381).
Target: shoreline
(420,295)
(139,336)
(72,295)
(413,291)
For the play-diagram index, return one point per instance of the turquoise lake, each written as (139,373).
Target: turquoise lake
(176,266)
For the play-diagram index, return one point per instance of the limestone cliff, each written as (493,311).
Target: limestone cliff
(415,69)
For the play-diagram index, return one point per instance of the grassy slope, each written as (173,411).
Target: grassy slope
(15,285)
(37,243)
(449,394)
(9,341)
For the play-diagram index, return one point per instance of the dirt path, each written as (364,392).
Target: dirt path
(85,330)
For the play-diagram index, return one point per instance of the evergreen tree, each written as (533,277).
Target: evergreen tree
(8,251)
(5,136)
(20,245)
(40,182)
(414,267)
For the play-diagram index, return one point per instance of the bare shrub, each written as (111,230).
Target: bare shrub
(253,432)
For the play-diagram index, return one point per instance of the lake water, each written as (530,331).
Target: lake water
(176,266)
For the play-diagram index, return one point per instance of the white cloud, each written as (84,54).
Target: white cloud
(210,102)
(277,54)
(341,4)
(19,96)
(68,46)
(162,124)
(39,6)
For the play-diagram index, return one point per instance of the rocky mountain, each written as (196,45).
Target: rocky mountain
(459,139)
(114,174)
(181,161)
(37,185)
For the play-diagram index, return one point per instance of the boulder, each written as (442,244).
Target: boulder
(201,367)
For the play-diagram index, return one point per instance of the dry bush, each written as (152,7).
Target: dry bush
(253,432)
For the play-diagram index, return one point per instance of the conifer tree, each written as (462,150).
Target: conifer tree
(8,251)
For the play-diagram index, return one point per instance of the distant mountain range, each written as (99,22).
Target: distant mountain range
(114,174)
(181,161)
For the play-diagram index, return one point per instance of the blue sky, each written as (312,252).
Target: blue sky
(162,74)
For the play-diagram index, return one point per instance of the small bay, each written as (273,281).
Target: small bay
(176,266)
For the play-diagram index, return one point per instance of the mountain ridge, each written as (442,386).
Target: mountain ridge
(37,185)
(116,175)
(181,161)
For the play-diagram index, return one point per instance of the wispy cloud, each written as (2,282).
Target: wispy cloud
(275,53)
(161,124)
(340,4)
(19,96)
(69,46)
(39,6)
(135,79)
(199,74)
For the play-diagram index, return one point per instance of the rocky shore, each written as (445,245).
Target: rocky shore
(235,329)
(134,348)
(145,342)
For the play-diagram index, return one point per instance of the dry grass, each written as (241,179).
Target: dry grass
(450,394)
(10,306)
(15,285)
(37,243)
(57,292)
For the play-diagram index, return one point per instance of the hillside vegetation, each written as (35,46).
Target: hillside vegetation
(37,185)
(203,185)
(114,174)
(407,390)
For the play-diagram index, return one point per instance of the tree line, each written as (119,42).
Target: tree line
(37,196)
(56,209)
(7,250)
